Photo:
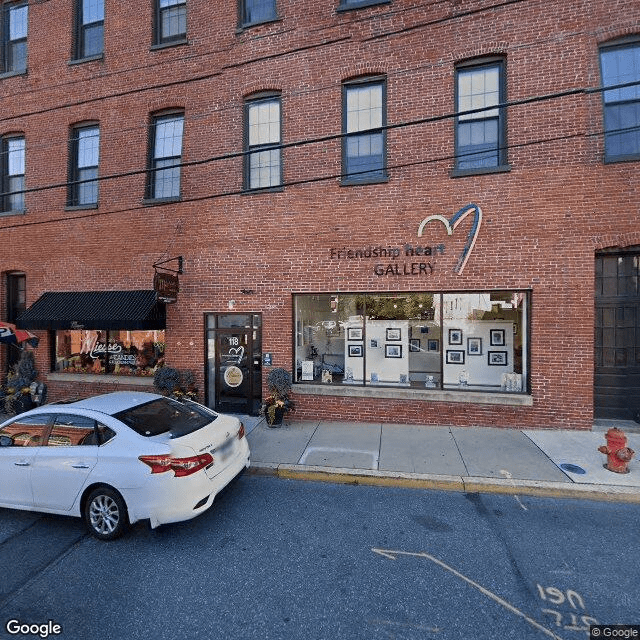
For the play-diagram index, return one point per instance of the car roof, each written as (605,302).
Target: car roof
(112,403)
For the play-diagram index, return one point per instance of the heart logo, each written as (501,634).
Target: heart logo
(451,224)
(236,353)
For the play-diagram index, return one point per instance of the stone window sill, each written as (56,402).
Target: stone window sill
(429,395)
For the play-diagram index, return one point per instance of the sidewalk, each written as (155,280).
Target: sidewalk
(470,459)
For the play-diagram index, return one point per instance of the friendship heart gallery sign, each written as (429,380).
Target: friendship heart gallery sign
(411,259)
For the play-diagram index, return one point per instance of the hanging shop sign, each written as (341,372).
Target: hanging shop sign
(165,281)
(416,259)
(166,285)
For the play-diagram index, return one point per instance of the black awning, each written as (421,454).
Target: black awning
(128,310)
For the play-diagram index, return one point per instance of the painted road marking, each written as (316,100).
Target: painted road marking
(508,475)
(558,597)
(392,555)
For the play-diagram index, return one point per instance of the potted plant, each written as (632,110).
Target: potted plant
(278,402)
(174,383)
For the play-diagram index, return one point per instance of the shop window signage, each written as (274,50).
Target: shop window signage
(405,259)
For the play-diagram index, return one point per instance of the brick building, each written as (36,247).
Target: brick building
(427,211)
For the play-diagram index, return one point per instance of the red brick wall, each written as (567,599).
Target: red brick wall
(543,220)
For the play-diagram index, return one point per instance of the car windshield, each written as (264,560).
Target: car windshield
(166,416)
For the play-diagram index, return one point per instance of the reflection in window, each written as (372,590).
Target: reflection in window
(90,38)
(621,66)
(479,133)
(364,117)
(26,431)
(166,156)
(120,353)
(254,11)
(263,160)
(12,170)
(417,340)
(71,431)
(14,37)
(171,20)
(85,144)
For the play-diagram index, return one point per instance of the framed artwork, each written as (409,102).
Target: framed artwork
(307,369)
(374,343)
(394,334)
(414,344)
(497,358)
(393,350)
(455,336)
(474,346)
(455,356)
(354,333)
(355,351)
(433,345)
(496,338)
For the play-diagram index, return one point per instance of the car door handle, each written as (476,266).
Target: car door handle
(22,463)
(80,466)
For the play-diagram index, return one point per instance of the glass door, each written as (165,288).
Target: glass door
(234,382)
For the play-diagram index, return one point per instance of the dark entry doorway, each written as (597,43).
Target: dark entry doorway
(16,304)
(234,358)
(617,335)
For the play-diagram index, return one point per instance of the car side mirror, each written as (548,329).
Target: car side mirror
(6,441)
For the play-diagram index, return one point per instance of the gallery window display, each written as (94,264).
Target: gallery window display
(452,340)
(120,353)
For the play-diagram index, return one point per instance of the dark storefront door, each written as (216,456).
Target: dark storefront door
(617,336)
(234,363)
(16,304)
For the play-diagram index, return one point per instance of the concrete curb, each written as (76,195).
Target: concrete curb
(467,484)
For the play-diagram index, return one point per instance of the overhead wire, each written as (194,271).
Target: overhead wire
(338,136)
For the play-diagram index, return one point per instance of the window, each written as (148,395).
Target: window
(263,162)
(12,162)
(83,183)
(357,4)
(480,135)
(90,28)
(14,37)
(171,21)
(166,156)
(364,139)
(255,11)
(25,431)
(414,340)
(68,431)
(621,66)
(120,353)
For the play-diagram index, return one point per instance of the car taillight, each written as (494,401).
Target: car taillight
(241,432)
(180,466)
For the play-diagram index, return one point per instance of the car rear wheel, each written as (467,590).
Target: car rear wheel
(105,514)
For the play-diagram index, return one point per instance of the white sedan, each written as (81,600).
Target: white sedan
(118,458)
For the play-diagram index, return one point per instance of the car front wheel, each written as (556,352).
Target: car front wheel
(105,514)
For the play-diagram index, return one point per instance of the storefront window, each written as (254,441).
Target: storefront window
(474,341)
(120,353)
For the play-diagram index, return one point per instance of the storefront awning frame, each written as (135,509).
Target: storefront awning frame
(106,310)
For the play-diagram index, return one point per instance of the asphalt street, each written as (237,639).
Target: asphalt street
(278,559)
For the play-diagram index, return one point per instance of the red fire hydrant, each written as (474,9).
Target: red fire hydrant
(618,454)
